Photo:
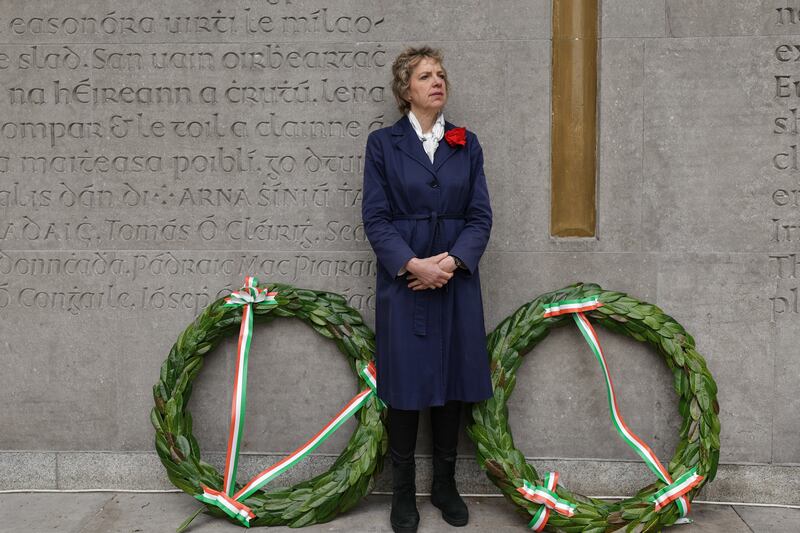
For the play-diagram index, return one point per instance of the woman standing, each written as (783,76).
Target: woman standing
(427,216)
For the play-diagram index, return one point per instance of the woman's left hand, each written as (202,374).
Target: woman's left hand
(448,264)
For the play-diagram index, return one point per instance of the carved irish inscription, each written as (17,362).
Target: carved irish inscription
(784,199)
(205,143)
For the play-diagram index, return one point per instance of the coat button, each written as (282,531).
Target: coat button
(435,184)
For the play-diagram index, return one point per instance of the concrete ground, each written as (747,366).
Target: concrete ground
(163,512)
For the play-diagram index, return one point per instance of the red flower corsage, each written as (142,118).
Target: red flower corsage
(456,137)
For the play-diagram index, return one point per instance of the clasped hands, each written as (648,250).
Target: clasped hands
(431,272)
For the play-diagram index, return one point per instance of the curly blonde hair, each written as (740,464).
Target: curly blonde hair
(404,65)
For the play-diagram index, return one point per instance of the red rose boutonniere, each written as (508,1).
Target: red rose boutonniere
(456,137)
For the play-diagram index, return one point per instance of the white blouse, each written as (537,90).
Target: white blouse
(430,140)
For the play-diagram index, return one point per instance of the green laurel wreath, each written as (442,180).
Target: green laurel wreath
(316,500)
(699,435)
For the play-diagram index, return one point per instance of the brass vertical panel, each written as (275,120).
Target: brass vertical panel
(573,210)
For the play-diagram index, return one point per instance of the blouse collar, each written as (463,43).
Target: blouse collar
(438,126)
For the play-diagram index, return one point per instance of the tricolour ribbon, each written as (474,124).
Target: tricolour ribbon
(231,507)
(248,294)
(674,491)
(679,487)
(228,499)
(545,495)
(267,475)
(571,306)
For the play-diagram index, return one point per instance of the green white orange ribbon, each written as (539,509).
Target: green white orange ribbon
(231,507)
(369,374)
(545,495)
(248,294)
(571,306)
(228,499)
(267,475)
(674,491)
(678,488)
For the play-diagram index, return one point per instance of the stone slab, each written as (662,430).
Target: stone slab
(769,484)
(98,470)
(148,512)
(715,519)
(778,484)
(706,190)
(517,149)
(769,519)
(632,18)
(686,18)
(729,322)
(620,146)
(151,513)
(717,208)
(57,390)
(783,334)
(27,470)
(154,513)
(43,513)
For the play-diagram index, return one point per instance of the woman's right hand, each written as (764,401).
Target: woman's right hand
(426,273)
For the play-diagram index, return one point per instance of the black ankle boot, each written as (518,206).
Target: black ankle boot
(444,494)
(404,516)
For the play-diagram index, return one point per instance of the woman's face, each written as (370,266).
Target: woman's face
(427,91)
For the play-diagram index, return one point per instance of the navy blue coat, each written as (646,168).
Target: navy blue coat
(431,343)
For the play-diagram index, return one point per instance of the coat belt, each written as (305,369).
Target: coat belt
(422,297)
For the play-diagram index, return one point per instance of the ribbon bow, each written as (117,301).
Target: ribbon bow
(545,496)
(677,489)
(250,294)
(231,507)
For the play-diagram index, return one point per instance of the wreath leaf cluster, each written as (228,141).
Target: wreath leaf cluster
(316,500)
(699,443)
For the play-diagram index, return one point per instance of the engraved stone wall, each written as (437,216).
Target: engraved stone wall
(151,156)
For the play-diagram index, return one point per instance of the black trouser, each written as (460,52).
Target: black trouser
(403,431)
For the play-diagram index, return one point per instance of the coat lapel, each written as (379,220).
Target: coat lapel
(405,138)
(444,151)
(407,141)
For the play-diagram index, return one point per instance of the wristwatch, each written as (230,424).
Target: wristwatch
(459,262)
